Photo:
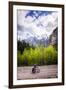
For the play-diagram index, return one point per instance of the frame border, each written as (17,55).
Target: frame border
(11,3)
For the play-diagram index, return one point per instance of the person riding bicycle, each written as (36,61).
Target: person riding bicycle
(35,69)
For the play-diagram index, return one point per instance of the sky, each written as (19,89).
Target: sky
(33,23)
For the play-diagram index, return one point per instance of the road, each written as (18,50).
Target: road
(48,71)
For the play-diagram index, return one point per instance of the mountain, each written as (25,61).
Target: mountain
(54,37)
(36,41)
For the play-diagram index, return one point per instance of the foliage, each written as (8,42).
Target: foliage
(21,45)
(39,55)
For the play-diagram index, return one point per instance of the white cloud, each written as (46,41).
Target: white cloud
(44,25)
(29,19)
(21,16)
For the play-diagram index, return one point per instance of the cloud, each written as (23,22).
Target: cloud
(36,23)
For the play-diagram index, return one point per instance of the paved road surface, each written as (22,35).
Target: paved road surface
(48,71)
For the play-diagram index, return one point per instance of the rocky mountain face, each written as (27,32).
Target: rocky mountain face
(54,37)
(35,41)
(44,40)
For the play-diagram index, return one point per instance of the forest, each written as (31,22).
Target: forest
(28,55)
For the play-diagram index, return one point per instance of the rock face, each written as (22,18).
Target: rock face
(54,37)
(44,40)
(35,41)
